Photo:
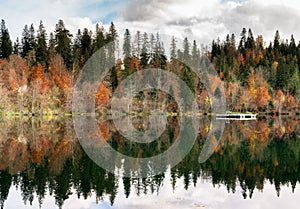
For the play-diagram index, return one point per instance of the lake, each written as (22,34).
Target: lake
(253,164)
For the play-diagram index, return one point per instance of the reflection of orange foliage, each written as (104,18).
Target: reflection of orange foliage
(284,127)
(15,155)
(104,130)
(275,64)
(59,155)
(290,103)
(102,96)
(257,133)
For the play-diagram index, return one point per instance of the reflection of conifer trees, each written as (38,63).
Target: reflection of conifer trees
(248,156)
(5,183)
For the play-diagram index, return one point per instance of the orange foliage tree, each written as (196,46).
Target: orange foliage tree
(258,90)
(102,96)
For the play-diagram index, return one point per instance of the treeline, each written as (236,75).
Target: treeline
(256,77)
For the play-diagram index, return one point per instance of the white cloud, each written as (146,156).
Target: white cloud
(75,15)
(204,20)
(201,20)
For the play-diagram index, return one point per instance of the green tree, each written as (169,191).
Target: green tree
(145,50)
(16,48)
(127,44)
(186,51)
(250,43)
(99,39)
(5,42)
(173,48)
(41,49)
(112,36)
(243,40)
(126,52)
(137,44)
(63,42)
(86,44)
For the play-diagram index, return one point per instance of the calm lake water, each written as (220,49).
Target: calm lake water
(256,164)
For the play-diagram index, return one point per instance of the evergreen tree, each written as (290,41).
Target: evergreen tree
(137,44)
(63,42)
(16,48)
(86,44)
(5,42)
(186,52)
(173,49)
(127,44)
(32,41)
(99,39)
(145,50)
(127,52)
(195,55)
(76,52)
(26,47)
(292,46)
(41,49)
(250,43)
(112,33)
(276,40)
(51,45)
(113,36)
(243,41)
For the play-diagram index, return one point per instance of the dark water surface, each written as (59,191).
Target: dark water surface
(256,165)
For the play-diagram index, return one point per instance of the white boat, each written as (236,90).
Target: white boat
(236,116)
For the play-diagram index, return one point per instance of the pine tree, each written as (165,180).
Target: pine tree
(16,48)
(41,49)
(173,49)
(195,55)
(127,44)
(86,44)
(145,50)
(292,46)
(25,41)
(137,44)
(186,51)
(99,39)
(243,41)
(63,42)
(250,43)
(276,40)
(5,42)
(127,52)
(32,41)
(112,33)
(76,52)
(51,46)
(113,36)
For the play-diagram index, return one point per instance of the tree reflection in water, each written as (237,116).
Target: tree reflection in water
(39,156)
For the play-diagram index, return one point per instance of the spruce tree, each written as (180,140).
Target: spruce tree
(5,42)
(63,42)
(41,49)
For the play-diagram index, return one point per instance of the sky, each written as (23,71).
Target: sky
(200,20)
(204,195)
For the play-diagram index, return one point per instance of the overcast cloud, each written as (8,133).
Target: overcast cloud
(202,20)
(206,20)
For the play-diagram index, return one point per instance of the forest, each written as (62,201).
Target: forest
(39,70)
